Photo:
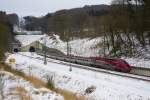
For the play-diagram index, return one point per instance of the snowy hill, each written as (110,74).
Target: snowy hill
(87,47)
(79,47)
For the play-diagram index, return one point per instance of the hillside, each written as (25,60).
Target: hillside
(77,22)
(88,47)
(125,26)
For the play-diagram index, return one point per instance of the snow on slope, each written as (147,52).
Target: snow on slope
(12,83)
(142,57)
(28,39)
(83,47)
(87,47)
(108,87)
(79,47)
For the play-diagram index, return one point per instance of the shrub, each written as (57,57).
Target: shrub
(50,82)
(90,89)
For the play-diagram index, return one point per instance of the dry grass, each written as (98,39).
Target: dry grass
(9,69)
(69,95)
(22,93)
(39,83)
(35,81)
(21,90)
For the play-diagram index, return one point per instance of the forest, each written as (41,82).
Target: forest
(127,22)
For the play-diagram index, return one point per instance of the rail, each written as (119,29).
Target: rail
(135,70)
(140,71)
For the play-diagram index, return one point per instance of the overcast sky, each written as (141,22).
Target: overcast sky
(42,7)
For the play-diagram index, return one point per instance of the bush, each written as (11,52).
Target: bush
(50,82)
(90,89)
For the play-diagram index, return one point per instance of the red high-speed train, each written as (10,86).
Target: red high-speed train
(118,64)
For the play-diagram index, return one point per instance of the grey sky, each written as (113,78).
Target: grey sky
(42,7)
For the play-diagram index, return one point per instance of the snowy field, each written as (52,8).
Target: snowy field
(15,88)
(81,47)
(106,86)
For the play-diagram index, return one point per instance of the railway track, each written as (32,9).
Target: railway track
(140,71)
(136,72)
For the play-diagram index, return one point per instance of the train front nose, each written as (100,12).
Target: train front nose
(124,66)
(128,68)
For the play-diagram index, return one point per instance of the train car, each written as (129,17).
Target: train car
(98,62)
(118,64)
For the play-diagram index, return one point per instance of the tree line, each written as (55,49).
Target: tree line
(128,21)
(77,22)
(6,31)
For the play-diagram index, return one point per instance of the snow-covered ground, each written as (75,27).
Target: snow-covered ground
(16,88)
(107,87)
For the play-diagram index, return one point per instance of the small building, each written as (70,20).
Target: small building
(30,40)
(36,44)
